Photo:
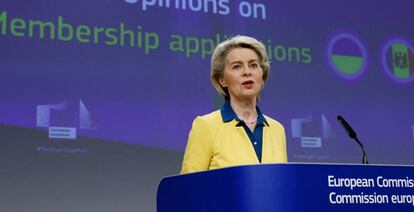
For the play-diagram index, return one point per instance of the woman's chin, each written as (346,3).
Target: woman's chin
(248,96)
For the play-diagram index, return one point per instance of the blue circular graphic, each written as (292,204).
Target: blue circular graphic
(398,60)
(347,55)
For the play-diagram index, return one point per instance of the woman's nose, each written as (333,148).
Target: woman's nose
(247,71)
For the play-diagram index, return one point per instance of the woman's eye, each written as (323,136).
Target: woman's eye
(254,65)
(236,67)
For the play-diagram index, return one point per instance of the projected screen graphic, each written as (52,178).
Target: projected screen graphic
(137,71)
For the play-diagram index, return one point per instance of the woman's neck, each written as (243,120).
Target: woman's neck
(245,110)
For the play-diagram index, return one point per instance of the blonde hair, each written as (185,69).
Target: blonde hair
(218,59)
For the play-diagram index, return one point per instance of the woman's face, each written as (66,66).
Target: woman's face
(243,76)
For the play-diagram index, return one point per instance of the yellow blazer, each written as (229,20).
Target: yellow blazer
(214,144)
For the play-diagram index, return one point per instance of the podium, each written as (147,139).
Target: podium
(290,187)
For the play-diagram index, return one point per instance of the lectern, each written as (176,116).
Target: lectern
(290,187)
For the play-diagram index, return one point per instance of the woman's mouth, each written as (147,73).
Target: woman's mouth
(248,84)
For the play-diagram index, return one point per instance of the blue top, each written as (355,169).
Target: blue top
(256,137)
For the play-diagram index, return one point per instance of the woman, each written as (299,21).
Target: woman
(238,133)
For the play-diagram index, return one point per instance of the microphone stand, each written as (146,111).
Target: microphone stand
(364,154)
(354,136)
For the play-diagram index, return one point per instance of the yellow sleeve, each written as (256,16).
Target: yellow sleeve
(281,132)
(284,145)
(198,152)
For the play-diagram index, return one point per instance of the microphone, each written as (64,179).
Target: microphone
(347,127)
(353,135)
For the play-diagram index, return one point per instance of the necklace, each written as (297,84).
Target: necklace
(252,122)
